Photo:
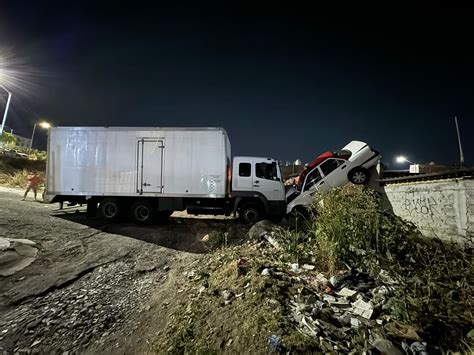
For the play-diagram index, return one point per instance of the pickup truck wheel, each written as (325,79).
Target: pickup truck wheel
(250,214)
(142,212)
(110,209)
(359,176)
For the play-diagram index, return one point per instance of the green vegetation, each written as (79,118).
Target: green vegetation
(430,282)
(8,139)
(434,279)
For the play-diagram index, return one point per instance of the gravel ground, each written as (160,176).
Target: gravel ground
(94,287)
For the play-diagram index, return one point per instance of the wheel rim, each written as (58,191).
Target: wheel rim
(142,213)
(251,215)
(110,210)
(359,177)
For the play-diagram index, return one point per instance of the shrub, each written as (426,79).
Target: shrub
(435,281)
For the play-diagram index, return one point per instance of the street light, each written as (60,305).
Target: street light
(43,124)
(401,159)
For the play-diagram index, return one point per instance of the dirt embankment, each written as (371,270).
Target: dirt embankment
(11,164)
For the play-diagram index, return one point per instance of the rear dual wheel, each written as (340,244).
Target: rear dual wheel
(142,212)
(110,209)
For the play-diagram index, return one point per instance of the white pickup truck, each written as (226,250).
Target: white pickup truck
(332,169)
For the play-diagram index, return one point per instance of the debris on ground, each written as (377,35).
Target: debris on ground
(288,291)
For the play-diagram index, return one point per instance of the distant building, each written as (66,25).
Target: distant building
(22,141)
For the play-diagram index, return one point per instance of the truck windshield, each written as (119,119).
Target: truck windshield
(266,171)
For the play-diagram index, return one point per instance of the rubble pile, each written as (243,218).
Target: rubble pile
(343,313)
(86,311)
(271,291)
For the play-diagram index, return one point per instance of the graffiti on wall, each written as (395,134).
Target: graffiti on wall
(421,204)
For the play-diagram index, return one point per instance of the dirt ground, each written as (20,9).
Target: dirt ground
(94,287)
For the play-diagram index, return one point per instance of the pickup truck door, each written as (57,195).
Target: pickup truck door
(315,181)
(335,172)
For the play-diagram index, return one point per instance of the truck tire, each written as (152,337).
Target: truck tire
(359,176)
(142,212)
(110,209)
(250,213)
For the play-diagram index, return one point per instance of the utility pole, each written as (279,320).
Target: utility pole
(461,155)
(32,136)
(9,96)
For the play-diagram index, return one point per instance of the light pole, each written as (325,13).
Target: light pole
(44,125)
(9,96)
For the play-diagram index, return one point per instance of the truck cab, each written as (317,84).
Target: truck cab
(257,188)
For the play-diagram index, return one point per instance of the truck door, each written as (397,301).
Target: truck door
(150,166)
(267,181)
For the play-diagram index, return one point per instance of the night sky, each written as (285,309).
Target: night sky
(286,82)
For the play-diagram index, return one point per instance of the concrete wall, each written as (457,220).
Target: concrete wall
(442,208)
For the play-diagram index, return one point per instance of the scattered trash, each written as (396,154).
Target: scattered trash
(363,309)
(418,348)
(274,342)
(228,295)
(355,323)
(308,267)
(205,238)
(345,292)
(272,241)
(295,267)
(265,272)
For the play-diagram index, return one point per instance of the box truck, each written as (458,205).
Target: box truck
(145,173)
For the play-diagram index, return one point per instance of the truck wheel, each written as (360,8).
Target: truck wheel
(359,176)
(142,212)
(250,214)
(109,209)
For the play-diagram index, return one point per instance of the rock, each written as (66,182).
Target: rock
(11,262)
(4,244)
(227,296)
(33,324)
(22,241)
(261,228)
(265,272)
(386,347)
(36,342)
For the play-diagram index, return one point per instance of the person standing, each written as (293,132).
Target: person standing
(33,183)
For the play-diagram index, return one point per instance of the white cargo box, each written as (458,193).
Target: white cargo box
(124,161)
